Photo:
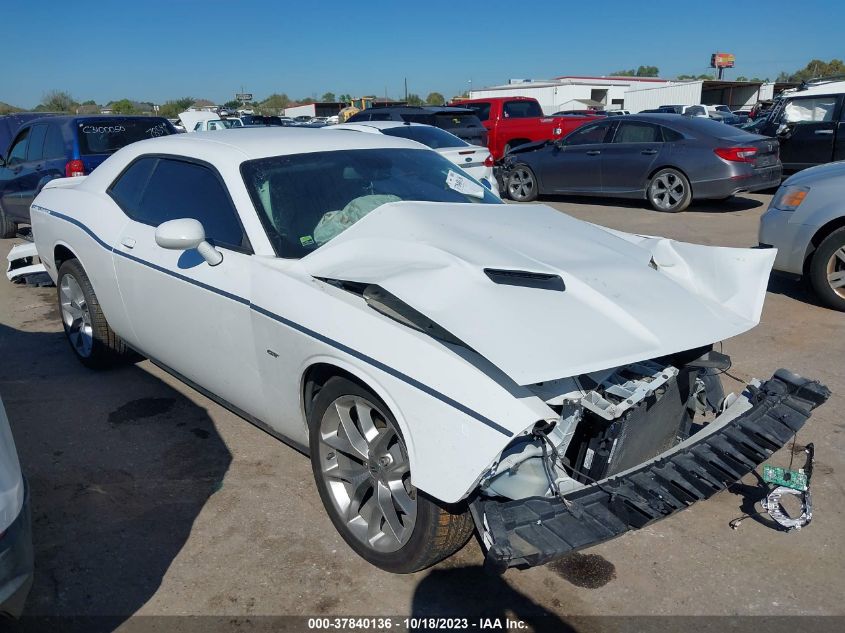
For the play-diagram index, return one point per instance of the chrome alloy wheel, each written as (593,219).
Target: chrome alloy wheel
(521,183)
(666,191)
(364,465)
(76,316)
(836,272)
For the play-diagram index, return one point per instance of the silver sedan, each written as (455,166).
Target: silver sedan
(806,223)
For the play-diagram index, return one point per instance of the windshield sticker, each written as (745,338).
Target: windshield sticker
(306,240)
(463,185)
(103,129)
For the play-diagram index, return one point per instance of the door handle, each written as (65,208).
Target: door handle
(649,152)
(824,132)
(128,242)
(593,152)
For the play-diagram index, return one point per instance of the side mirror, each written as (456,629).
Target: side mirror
(784,130)
(185,234)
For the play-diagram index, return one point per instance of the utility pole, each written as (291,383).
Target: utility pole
(406,90)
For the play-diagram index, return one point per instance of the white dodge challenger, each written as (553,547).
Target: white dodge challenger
(449,362)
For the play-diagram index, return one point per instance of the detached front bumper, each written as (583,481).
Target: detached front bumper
(534,531)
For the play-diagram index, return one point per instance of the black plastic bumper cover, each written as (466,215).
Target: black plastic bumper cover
(536,530)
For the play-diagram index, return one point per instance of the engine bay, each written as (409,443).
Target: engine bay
(609,422)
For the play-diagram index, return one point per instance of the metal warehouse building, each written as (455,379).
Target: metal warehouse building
(734,94)
(572,93)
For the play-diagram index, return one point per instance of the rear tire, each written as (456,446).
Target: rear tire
(827,270)
(362,473)
(7,227)
(522,184)
(88,333)
(669,191)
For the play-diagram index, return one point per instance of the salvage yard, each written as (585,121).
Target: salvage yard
(148,498)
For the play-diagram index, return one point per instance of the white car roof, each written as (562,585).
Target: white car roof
(234,146)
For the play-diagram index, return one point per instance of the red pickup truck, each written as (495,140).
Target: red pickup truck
(512,121)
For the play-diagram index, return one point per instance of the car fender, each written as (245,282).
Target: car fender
(85,223)
(369,379)
(456,411)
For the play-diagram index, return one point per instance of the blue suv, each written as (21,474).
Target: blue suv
(59,147)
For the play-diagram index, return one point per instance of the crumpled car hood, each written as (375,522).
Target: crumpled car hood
(626,298)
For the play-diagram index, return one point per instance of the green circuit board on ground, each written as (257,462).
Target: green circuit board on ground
(778,476)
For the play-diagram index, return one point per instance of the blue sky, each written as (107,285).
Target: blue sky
(158,50)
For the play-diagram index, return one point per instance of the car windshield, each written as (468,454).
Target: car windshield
(106,136)
(304,200)
(433,137)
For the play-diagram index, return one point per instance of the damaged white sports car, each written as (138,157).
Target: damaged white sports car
(448,361)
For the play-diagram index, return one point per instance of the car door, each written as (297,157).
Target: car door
(627,160)
(191,317)
(12,175)
(31,172)
(573,165)
(806,129)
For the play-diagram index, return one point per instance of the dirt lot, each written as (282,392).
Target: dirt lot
(148,498)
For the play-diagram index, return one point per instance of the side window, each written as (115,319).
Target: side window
(129,186)
(809,110)
(380,116)
(54,143)
(17,154)
(198,126)
(636,132)
(522,109)
(588,135)
(36,143)
(180,189)
(670,135)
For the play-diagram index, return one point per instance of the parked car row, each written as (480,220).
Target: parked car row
(667,159)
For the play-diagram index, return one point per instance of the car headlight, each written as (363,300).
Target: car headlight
(790,198)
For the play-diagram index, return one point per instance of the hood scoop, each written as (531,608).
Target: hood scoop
(526,279)
(393,307)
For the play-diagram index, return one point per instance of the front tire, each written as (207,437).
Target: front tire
(522,184)
(88,333)
(827,270)
(669,191)
(363,475)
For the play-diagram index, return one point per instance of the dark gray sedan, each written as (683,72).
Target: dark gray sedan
(668,159)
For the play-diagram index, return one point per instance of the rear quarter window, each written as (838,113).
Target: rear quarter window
(670,135)
(54,143)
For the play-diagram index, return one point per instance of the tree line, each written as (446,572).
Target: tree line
(62,101)
(815,68)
